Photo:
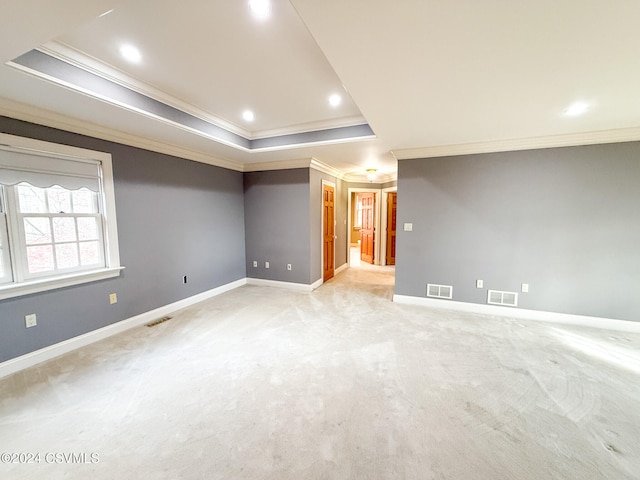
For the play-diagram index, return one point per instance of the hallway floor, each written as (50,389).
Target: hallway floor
(264,383)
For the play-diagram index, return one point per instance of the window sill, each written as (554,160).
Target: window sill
(44,284)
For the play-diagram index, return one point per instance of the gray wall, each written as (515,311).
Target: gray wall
(175,217)
(315,218)
(277,224)
(563,220)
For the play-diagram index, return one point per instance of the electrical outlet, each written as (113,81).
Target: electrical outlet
(479,284)
(266,264)
(408,227)
(525,288)
(255,264)
(113,298)
(288,266)
(30,320)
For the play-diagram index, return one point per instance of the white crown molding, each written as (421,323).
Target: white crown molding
(40,116)
(79,59)
(549,141)
(362,178)
(324,168)
(277,165)
(94,66)
(297,163)
(309,127)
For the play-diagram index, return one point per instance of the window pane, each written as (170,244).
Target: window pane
(84,201)
(59,200)
(87,228)
(40,258)
(90,253)
(67,255)
(64,229)
(31,199)
(37,230)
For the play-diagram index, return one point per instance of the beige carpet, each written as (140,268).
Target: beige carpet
(263,383)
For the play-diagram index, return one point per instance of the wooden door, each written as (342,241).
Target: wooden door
(392,203)
(329,239)
(368,230)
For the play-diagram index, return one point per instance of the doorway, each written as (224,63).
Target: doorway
(328,231)
(372,247)
(392,205)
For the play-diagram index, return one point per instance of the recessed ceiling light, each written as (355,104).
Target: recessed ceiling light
(576,109)
(335,100)
(248,115)
(260,8)
(131,53)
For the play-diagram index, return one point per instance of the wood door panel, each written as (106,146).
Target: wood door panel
(368,230)
(328,222)
(392,204)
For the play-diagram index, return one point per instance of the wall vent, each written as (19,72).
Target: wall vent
(439,291)
(158,321)
(497,297)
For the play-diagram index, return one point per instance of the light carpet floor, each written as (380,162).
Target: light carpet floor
(264,383)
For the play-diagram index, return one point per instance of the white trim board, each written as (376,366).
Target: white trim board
(300,287)
(52,351)
(510,312)
(341,268)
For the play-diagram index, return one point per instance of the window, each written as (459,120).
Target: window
(57,216)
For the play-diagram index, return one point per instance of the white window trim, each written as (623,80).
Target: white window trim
(112,252)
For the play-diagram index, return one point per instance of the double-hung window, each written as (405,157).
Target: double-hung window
(57,216)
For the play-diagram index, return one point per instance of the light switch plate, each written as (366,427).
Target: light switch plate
(408,227)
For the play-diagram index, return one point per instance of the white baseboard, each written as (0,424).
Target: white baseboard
(301,287)
(53,351)
(342,267)
(561,318)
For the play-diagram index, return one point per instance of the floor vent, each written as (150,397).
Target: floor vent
(158,321)
(439,291)
(496,297)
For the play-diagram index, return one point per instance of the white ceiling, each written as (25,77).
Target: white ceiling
(430,77)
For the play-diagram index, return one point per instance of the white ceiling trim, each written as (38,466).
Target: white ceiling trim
(85,62)
(94,66)
(324,168)
(551,141)
(96,95)
(279,165)
(309,127)
(47,118)
(362,178)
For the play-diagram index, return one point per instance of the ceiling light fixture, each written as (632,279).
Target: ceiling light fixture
(248,115)
(576,109)
(130,53)
(371,174)
(106,13)
(260,8)
(335,100)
